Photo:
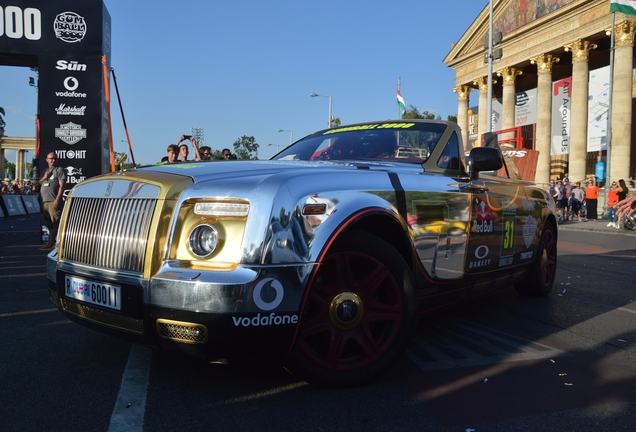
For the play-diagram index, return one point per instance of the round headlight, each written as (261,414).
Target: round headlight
(203,240)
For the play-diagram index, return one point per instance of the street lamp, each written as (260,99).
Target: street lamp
(314,95)
(277,146)
(291,135)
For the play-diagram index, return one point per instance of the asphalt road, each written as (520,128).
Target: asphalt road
(503,362)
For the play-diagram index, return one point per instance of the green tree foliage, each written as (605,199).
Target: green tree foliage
(335,122)
(245,148)
(414,113)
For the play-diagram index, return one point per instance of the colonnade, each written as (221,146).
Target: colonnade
(621,105)
(21,146)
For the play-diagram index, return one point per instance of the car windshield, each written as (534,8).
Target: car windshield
(398,141)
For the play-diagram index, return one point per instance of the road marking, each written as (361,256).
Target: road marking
(10,314)
(23,275)
(460,343)
(128,415)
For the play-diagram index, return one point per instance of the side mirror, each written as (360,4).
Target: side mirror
(483,159)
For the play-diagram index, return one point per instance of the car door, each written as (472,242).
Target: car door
(499,220)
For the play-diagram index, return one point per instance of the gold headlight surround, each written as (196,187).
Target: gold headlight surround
(226,217)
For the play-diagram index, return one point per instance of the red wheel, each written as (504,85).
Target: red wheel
(359,314)
(543,271)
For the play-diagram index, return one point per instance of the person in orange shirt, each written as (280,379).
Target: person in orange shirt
(591,198)
(612,199)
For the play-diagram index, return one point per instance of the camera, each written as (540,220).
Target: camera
(187,137)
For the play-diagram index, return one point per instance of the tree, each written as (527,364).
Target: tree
(335,122)
(414,113)
(245,148)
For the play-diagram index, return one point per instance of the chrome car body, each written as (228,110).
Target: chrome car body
(322,256)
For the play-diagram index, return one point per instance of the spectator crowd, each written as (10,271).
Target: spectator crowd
(18,187)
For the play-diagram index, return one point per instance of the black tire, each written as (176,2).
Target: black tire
(359,317)
(540,278)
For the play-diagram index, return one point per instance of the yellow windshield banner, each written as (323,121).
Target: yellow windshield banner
(370,126)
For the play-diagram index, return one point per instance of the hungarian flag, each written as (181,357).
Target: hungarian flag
(628,7)
(400,101)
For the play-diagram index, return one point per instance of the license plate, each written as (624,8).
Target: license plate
(97,293)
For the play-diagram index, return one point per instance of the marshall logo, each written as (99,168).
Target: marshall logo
(67,110)
(70,133)
(69,27)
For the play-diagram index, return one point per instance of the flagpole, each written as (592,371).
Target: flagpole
(398,89)
(489,104)
(609,109)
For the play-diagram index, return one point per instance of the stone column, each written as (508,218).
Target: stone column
(482,125)
(620,151)
(19,164)
(578,124)
(1,164)
(543,137)
(509,74)
(463,91)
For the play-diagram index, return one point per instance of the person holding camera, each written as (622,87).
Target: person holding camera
(184,152)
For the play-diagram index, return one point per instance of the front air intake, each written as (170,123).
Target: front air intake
(182,331)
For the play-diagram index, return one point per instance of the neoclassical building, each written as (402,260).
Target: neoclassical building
(555,84)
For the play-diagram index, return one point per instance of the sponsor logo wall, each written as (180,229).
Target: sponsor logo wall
(68,39)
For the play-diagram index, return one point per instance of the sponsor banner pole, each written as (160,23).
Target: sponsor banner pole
(110,126)
(123,118)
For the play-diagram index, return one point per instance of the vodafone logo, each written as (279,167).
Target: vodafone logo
(269,284)
(71,83)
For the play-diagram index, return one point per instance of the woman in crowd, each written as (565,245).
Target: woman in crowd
(591,199)
(626,203)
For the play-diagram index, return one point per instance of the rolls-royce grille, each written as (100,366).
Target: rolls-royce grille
(108,233)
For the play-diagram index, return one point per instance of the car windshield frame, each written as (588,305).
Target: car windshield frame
(397,141)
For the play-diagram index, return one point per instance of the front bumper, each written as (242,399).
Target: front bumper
(240,314)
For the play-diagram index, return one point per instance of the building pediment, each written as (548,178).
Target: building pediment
(526,26)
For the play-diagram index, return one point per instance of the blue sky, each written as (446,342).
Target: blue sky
(247,67)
